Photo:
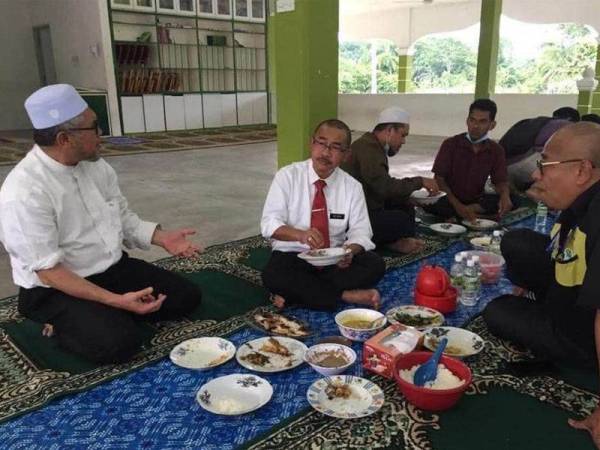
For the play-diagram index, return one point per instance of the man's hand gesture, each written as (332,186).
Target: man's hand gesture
(591,423)
(141,302)
(176,243)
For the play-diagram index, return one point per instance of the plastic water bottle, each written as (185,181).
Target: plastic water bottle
(495,242)
(541,217)
(471,285)
(456,274)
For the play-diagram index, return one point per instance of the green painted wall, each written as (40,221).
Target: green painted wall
(404,73)
(306,73)
(487,56)
(584,102)
(595,98)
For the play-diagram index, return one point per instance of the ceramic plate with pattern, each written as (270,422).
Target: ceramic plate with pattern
(202,353)
(234,394)
(271,354)
(420,317)
(448,229)
(345,396)
(480,224)
(461,342)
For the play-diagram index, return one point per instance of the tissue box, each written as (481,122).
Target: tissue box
(381,351)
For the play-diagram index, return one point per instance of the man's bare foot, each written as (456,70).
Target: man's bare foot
(407,245)
(48,330)
(278,301)
(367,297)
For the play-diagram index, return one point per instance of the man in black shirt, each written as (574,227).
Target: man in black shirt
(563,322)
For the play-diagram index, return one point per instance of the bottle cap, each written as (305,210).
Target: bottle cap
(458,257)
(470,263)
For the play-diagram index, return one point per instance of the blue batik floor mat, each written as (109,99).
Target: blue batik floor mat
(155,407)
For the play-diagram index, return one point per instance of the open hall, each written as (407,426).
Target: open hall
(167,280)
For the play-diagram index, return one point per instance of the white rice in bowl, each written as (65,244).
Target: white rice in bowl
(445,378)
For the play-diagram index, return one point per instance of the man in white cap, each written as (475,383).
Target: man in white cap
(392,217)
(63,220)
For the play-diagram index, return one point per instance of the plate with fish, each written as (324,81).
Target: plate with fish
(278,324)
(271,354)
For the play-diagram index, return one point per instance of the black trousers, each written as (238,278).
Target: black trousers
(488,202)
(319,288)
(531,323)
(391,224)
(102,333)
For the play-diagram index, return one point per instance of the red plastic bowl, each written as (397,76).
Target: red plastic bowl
(444,304)
(432,399)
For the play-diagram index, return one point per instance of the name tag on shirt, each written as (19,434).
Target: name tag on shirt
(336,216)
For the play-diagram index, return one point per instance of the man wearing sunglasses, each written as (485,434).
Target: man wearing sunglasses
(314,205)
(561,320)
(63,221)
(392,216)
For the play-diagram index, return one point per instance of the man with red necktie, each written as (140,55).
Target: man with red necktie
(313,205)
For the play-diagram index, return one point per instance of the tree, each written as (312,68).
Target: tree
(443,63)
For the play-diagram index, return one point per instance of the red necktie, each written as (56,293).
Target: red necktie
(318,217)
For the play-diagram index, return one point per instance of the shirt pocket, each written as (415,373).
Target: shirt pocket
(337,226)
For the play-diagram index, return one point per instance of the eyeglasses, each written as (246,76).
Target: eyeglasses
(541,164)
(333,147)
(95,127)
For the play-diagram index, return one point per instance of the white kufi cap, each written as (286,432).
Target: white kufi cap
(393,114)
(53,105)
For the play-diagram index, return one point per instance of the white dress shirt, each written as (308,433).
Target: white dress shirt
(289,202)
(75,215)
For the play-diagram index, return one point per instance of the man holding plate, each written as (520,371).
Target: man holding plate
(392,215)
(315,205)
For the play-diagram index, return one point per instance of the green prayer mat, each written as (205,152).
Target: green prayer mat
(35,370)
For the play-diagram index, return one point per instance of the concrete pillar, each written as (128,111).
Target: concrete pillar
(487,56)
(586,87)
(595,107)
(405,71)
(373,67)
(306,72)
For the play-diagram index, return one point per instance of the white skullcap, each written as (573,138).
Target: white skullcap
(53,105)
(393,114)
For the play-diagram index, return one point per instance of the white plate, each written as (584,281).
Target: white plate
(277,363)
(234,394)
(461,343)
(365,399)
(430,317)
(324,256)
(422,197)
(481,224)
(448,229)
(202,353)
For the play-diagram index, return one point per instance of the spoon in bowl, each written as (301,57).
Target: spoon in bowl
(428,371)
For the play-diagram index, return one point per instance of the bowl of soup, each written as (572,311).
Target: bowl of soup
(359,324)
(330,359)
